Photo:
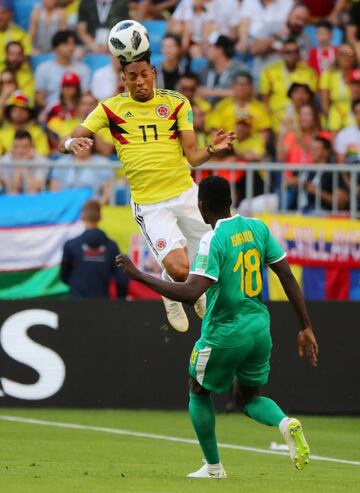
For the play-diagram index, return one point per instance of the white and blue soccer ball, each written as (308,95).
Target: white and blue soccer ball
(128,41)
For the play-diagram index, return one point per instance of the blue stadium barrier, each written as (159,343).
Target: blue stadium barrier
(36,60)
(22,12)
(95,61)
(338,36)
(156,30)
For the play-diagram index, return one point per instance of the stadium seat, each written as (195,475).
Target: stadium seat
(156,59)
(22,12)
(94,61)
(37,59)
(337,36)
(156,30)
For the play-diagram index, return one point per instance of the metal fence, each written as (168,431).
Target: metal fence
(275,193)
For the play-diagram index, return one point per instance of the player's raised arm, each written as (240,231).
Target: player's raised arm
(196,156)
(79,139)
(186,292)
(307,344)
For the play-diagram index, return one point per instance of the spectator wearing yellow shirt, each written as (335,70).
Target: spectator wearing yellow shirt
(59,127)
(10,31)
(19,116)
(341,116)
(188,85)
(228,111)
(8,85)
(299,95)
(17,63)
(334,83)
(276,78)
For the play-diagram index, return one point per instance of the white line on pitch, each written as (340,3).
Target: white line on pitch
(154,436)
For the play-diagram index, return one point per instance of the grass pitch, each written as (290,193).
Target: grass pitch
(37,459)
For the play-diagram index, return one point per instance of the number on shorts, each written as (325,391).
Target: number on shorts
(250,276)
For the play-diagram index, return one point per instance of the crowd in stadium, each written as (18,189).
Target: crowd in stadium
(282,75)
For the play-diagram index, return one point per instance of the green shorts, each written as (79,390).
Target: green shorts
(215,368)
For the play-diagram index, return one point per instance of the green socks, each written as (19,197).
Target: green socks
(265,411)
(202,415)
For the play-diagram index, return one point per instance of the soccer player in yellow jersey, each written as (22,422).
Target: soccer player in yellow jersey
(154,138)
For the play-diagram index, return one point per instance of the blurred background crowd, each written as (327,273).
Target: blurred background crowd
(283,75)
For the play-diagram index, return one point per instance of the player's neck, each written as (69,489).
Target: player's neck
(90,225)
(214,218)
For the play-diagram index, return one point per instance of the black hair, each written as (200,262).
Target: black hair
(22,134)
(226,44)
(190,75)
(62,37)
(325,24)
(145,58)
(244,74)
(290,40)
(14,43)
(215,194)
(174,37)
(354,103)
(325,142)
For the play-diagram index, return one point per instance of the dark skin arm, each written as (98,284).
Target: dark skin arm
(195,286)
(307,344)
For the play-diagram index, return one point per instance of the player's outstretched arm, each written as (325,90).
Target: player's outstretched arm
(79,139)
(307,344)
(196,156)
(186,292)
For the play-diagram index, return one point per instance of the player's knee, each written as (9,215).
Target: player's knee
(178,270)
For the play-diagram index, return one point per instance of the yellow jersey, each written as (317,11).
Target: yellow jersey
(62,128)
(14,33)
(333,81)
(226,113)
(145,135)
(38,136)
(275,81)
(254,144)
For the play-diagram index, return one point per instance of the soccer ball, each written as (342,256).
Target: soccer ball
(128,41)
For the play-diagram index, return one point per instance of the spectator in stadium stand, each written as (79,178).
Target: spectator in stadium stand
(171,68)
(294,147)
(72,11)
(154,9)
(188,85)
(242,101)
(81,175)
(9,31)
(353,27)
(299,95)
(59,127)
(323,57)
(217,79)
(334,83)
(107,81)
(49,74)
(316,182)
(197,27)
(88,262)
(266,42)
(276,78)
(19,115)
(325,10)
(18,179)
(8,86)
(69,98)
(342,116)
(96,18)
(347,142)
(46,20)
(17,63)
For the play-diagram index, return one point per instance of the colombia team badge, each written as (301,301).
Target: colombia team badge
(162,111)
(160,244)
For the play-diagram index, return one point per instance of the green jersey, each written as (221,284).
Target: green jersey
(233,255)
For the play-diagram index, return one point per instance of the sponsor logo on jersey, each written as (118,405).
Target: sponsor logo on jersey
(128,114)
(162,111)
(160,244)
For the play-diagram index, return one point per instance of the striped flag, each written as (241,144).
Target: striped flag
(33,230)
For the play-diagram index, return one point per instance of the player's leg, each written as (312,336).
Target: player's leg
(253,373)
(159,227)
(193,228)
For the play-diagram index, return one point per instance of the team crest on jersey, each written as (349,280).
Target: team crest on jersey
(160,244)
(162,111)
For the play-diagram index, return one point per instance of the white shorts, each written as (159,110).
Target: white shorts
(174,223)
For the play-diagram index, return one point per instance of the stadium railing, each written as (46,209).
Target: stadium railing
(276,191)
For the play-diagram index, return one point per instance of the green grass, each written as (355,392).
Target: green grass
(41,459)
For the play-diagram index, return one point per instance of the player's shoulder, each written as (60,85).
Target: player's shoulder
(168,94)
(205,242)
(115,102)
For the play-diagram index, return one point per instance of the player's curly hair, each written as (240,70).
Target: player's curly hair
(215,194)
(145,58)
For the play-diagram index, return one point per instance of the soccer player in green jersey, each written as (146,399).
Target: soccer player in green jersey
(235,336)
